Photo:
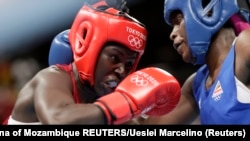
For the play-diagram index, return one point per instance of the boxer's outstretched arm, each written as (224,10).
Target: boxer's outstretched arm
(149,91)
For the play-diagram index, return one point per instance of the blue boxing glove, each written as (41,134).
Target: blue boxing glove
(60,49)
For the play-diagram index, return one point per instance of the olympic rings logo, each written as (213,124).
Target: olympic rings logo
(139,81)
(135,41)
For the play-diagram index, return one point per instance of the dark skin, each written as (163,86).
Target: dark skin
(187,111)
(47,97)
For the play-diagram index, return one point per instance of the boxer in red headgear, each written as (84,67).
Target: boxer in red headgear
(92,29)
(100,86)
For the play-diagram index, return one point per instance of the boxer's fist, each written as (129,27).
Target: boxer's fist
(60,50)
(150,91)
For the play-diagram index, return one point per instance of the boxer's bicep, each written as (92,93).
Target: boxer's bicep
(52,94)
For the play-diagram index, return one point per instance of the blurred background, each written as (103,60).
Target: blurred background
(27,28)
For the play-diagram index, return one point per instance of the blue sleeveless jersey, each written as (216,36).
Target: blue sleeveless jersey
(220,103)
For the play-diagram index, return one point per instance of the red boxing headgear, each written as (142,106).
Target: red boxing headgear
(92,28)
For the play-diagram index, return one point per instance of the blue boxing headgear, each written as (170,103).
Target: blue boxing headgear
(200,26)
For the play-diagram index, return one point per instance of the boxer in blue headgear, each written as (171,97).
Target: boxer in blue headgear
(198,19)
(219,92)
(60,50)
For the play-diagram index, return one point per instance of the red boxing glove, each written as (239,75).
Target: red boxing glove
(150,91)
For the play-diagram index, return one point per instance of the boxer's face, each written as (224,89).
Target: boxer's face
(179,38)
(113,65)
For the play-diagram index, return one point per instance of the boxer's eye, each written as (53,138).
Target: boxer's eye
(176,17)
(129,65)
(114,58)
(177,20)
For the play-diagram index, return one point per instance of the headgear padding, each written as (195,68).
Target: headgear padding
(92,28)
(200,26)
